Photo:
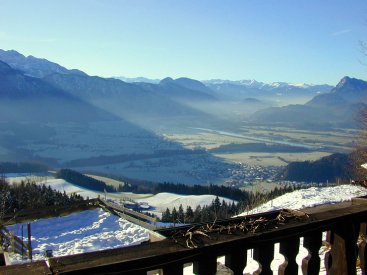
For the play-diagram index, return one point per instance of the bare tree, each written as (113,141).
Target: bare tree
(359,156)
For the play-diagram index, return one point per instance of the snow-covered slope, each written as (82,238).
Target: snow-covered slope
(80,232)
(311,197)
(162,201)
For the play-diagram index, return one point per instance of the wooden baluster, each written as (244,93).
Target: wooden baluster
(173,269)
(344,249)
(236,260)
(327,256)
(206,265)
(362,248)
(264,255)
(311,264)
(289,249)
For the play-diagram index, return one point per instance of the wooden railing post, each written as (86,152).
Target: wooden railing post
(311,264)
(289,249)
(12,242)
(205,265)
(236,260)
(264,255)
(344,249)
(362,248)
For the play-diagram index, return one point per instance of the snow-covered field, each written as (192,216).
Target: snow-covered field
(62,185)
(160,201)
(311,197)
(80,232)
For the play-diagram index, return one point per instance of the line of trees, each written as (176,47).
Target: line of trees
(28,195)
(216,210)
(84,181)
(183,189)
(220,209)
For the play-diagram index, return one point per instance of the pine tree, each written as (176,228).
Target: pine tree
(181,214)
(166,216)
(174,215)
(189,215)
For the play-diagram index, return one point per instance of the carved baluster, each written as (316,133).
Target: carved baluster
(362,248)
(264,255)
(236,260)
(327,257)
(344,249)
(289,249)
(311,264)
(205,265)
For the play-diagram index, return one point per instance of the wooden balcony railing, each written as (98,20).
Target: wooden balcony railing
(343,224)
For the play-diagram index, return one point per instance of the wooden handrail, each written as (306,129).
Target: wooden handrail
(344,222)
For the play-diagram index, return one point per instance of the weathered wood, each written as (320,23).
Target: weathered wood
(132,216)
(362,248)
(311,264)
(264,255)
(236,260)
(344,249)
(289,249)
(156,255)
(16,243)
(327,256)
(205,265)
(136,221)
(2,258)
(36,268)
(128,211)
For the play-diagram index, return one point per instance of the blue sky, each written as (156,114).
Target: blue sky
(296,41)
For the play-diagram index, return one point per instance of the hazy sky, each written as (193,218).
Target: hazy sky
(312,41)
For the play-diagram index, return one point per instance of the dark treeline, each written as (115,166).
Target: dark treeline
(183,189)
(216,210)
(22,167)
(28,195)
(84,181)
(330,168)
(220,209)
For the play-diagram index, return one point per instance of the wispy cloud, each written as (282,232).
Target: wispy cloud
(341,32)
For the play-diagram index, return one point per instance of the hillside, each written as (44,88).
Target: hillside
(26,98)
(330,168)
(310,197)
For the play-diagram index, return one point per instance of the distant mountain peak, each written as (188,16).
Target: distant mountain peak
(33,66)
(166,80)
(349,82)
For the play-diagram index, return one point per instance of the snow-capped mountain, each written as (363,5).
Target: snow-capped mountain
(33,66)
(274,86)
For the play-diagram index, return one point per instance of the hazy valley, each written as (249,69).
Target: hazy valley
(177,130)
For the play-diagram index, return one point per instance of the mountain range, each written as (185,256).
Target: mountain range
(26,98)
(181,101)
(338,108)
